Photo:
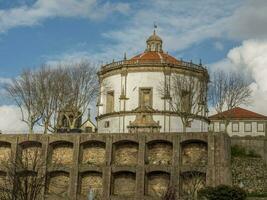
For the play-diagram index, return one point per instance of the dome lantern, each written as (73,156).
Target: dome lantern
(154,43)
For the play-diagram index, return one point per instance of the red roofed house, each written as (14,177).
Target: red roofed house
(242,122)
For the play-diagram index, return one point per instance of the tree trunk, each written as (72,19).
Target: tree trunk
(46,125)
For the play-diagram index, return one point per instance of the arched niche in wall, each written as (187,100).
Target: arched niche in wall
(93,153)
(91,181)
(30,155)
(61,153)
(30,182)
(194,153)
(191,183)
(58,184)
(124,184)
(5,152)
(125,153)
(159,152)
(157,183)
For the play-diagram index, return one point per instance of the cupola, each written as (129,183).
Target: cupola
(154,43)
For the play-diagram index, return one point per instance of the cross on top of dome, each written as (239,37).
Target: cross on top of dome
(154,43)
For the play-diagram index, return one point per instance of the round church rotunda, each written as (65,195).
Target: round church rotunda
(152,92)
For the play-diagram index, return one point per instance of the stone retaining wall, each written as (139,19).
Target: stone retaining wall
(123,166)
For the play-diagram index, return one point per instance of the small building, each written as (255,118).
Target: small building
(88,126)
(239,122)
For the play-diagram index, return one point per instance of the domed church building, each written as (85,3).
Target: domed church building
(152,92)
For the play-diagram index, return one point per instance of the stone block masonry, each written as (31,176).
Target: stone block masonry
(124,166)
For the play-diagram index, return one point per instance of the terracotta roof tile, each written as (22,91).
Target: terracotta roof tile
(238,113)
(155,56)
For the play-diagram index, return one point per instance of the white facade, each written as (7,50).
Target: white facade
(240,127)
(121,86)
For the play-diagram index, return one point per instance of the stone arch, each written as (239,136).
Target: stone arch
(159,152)
(91,180)
(194,153)
(192,182)
(124,183)
(93,153)
(61,153)
(30,154)
(58,183)
(157,183)
(5,151)
(125,153)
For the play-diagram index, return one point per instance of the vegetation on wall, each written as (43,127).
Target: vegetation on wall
(222,192)
(238,151)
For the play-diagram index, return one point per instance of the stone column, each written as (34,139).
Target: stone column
(107,169)
(45,145)
(210,180)
(74,172)
(140,170)
(175,178)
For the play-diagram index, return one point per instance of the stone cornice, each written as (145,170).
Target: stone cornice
(122,68)
(154,112)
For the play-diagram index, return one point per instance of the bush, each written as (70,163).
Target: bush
(222,192)
(237,151)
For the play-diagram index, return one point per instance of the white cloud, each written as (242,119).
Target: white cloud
(43,9)
(184,23)
(181,24)
(249,20)
(10,120)
(250,59)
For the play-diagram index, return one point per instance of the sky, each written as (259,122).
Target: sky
(227,35)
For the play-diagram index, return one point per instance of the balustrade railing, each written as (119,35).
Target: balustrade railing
(152,62)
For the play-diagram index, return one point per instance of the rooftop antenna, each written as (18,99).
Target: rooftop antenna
(125,57)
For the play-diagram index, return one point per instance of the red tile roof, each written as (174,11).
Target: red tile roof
(155,57)
(238,113)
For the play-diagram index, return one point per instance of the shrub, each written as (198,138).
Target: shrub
(222,192)
(237,151)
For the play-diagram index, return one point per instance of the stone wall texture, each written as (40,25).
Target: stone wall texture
(122,166)
(250,173)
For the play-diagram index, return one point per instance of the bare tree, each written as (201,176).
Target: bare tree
(44,94)
(82,90)
(227,91)
(187,97)
(23,91)
(52,93)
(193,181)
(24,176)
(171,194)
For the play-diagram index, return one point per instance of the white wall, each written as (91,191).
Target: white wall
(116,124)
(215,126)
(135,81)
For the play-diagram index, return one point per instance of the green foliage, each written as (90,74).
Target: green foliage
(222,192)
(238,151)
(254,194)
